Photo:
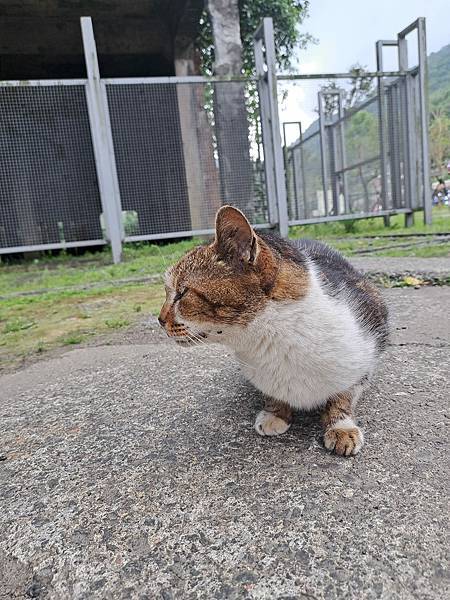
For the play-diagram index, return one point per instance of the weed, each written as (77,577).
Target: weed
(116,323)
(72,340)
(17,324)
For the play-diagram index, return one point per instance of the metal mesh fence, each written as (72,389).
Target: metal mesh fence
(363,159)
(48,182)
(417,165)
(396,165)
(360,173)
(182,151)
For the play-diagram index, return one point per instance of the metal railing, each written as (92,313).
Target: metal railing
(93,161)
(367,160)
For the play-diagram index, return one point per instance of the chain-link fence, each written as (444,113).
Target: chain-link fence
(358,160)
(48,182)
(86,162)
(183,150)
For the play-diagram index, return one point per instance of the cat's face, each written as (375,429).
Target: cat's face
(214,290)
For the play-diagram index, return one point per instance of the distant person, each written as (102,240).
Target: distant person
(440,192)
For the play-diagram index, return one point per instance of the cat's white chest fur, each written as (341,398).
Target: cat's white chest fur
(302,352)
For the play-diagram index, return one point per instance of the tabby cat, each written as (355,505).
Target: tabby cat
(307,328)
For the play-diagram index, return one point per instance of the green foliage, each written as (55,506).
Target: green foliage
(18,324)
(362,136)
(439,70)
(376,227)
(116,323)
(71,340)
(287,16)
(349,226)
(439,140)
(361,86)
(439,87)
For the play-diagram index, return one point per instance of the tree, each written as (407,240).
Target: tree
(361,87)
(287,17)
(226,49)
(440,130)
(439,139)
(229,106)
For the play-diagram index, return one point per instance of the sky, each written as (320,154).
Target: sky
(346,31)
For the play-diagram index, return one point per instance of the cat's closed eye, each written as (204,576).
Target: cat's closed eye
(179,295)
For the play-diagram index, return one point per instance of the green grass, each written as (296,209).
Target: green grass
(17,324)
(116,323)
(76,298)
(72,340)
(350,236)
(375,226)
(48,272)
(30,325)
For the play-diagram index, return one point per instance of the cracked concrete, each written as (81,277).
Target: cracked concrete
(133,471)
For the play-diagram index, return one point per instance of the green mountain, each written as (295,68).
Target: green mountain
(439,81)
(439,88)
(439,70)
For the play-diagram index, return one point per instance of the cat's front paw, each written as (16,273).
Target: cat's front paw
(267,423)
(344,438)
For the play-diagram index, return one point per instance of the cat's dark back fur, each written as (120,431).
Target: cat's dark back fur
(340,279)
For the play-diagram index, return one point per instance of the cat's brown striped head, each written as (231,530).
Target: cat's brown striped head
(218,288)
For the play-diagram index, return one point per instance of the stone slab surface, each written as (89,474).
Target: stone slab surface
(133,471)
(392,265)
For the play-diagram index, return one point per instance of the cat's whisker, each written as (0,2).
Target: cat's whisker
(198,341)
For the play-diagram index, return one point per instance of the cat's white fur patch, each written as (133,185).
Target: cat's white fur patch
(267,423)
(347,423)
(303,352)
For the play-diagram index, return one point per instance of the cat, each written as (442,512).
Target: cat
(306,327)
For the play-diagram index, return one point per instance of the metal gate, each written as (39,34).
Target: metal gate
(367,160)
(94,161)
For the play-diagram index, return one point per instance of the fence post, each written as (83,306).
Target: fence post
(323,151)
(408,120)
(383,136)
(424,120)
(102,142)
(302,173)
(343,151)
(270,123)
(331,139)
(292,179)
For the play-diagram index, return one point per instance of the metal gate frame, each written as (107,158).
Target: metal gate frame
(274,161)
(415,139)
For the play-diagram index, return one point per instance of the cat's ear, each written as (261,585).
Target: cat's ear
(235,238)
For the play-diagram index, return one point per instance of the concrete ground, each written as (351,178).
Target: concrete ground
(434,268)
(133,471)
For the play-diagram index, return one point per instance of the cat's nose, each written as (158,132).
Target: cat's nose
(162,322)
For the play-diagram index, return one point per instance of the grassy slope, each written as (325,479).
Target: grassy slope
(61,311)
(76,298)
